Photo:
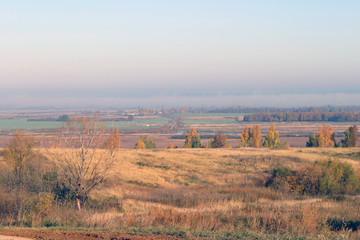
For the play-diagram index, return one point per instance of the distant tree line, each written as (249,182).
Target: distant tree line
(303,116)
(244,109)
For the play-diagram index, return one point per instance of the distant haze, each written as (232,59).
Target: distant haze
(179,53)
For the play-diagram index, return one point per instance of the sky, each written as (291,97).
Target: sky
(178,53)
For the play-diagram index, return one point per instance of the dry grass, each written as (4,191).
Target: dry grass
(212,191)
(220,190)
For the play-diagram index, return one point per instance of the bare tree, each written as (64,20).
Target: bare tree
(18,151)
(79,157)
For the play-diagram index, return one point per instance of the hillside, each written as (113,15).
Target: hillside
(211,193)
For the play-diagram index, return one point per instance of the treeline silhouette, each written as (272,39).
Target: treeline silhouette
(245,109)
(303,116)
(325,109)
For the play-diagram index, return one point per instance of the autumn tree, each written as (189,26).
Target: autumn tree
(351,137)
(140,144)
(145,141)
(256,136)
(325,137)
(219,141)
(245,137)
(77,153)
(114,141)
(18,151)
(192,139)
(272,138)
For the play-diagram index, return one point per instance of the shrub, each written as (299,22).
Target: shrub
(282,146)
(145,142)
(325,177)
(338,177)
(336,224)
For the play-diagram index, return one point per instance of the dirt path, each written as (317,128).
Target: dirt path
(3,237)
(8,234)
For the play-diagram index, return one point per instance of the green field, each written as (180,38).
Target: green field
(22,123)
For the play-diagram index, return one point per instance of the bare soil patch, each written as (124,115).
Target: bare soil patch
(76,235)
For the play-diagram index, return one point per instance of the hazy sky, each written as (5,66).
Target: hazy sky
(170,52)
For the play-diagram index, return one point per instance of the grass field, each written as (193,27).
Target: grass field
(215,193)
(22,123)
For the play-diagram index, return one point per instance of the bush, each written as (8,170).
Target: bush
(325,177)
(282,146)
(338,177)
(145,142)
(336,224)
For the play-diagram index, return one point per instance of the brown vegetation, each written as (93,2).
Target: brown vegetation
(245,137)
(208,193)
(256,136)
(272,137)
(325,137)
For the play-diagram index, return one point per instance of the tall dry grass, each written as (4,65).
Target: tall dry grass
(208,192)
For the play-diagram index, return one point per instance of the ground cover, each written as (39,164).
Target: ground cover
(212,193)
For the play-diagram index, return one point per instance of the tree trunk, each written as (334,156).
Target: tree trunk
(78,203)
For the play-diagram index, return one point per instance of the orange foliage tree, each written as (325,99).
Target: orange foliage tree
(325,137)
(272,138)
(114,141)
(256,136)
(140,144)
(245,137)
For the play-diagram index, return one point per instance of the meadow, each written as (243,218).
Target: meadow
(23,123)
(206,193)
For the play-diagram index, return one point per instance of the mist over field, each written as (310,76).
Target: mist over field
(177,53)
(218,100)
